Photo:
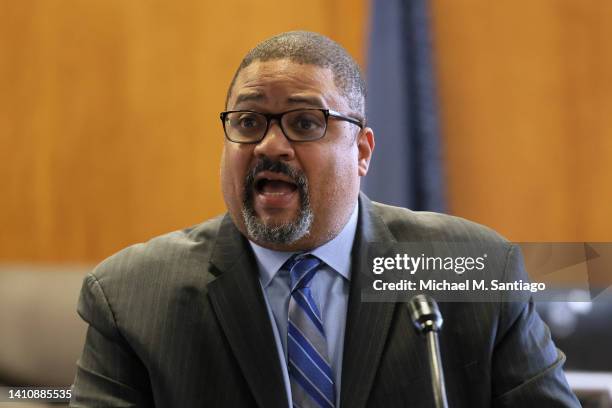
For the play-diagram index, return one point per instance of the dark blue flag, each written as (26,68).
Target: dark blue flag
(402,108)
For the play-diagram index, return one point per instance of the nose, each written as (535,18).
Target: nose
(275,145)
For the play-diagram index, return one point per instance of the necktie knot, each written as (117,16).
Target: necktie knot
(302,268)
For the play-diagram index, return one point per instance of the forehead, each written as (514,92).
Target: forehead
(284,82)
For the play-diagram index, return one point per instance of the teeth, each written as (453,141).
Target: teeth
(276,193)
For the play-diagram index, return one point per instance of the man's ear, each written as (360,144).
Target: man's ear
(365,147)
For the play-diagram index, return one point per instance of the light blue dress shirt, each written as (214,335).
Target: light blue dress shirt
(330,289)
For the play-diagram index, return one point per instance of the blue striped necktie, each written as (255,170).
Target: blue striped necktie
(310,372)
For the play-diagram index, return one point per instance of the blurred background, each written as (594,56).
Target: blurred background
(498,112)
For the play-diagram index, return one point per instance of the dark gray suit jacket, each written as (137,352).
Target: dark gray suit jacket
(181,321)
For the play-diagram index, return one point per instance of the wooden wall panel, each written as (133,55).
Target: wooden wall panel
(109,127)
(526,95)
(109,132)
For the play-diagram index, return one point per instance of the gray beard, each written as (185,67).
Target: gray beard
(286,233)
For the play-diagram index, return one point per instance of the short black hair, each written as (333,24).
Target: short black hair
(305,47)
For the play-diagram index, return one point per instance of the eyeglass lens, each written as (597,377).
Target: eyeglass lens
(299,125)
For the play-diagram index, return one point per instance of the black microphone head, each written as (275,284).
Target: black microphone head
(425,314)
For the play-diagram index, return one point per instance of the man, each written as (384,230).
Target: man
(262,307)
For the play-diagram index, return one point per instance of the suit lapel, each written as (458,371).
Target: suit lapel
(367,324)
(239,304)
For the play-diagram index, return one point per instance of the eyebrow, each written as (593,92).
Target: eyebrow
(259,96)
(251,96)
(309,100)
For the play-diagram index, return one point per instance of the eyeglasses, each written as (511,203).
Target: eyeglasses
(298,125)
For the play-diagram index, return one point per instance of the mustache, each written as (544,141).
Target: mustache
(276,166)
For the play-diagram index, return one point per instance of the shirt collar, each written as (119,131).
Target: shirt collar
(336,253)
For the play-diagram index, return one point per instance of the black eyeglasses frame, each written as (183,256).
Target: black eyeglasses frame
(328,113)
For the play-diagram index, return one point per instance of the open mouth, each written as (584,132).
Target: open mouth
(274,184)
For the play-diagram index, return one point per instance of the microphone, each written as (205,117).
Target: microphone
(427,320)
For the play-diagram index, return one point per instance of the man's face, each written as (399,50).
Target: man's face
(293,195)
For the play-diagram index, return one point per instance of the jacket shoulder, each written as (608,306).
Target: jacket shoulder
(181,250)
(408,225)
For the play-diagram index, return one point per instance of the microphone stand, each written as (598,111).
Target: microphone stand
(427,320)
